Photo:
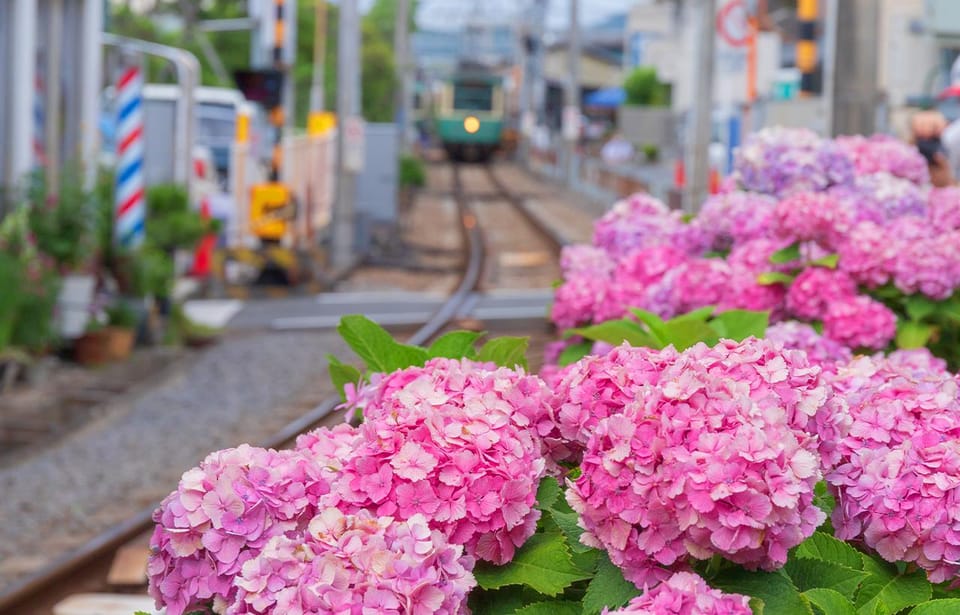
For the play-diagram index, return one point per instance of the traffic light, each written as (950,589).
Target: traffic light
(264,86)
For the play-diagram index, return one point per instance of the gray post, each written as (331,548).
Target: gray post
(699,121)
(525,86)
(401,46)
(23,72)
(348,105)
(317,94)
(855,91)
(572,96)
(830,42)
(91,85)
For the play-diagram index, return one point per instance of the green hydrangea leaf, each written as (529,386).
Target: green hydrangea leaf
(572,354)
(768,278)
(342,374)
(655,324)
(402,356)
(947,606)
(778,593)
(369,340)
(543,564)
(786,255)
(552,607)
(830,602)
(500,601)
(824,547)
(505,351)
(700,314)
(547,492)
(738,325)
(919,307)
(616,332)
(567,522)
(895,591)
(810,573)
(608,588)
(829,261)
(455,345)
(685,333)
(912,334)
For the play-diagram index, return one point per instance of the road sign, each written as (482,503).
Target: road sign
(354,143)
(733,23)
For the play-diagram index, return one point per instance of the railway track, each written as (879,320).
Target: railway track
(84,569)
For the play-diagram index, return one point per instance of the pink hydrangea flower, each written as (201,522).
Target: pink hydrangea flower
(867,254)
(732,218)
(640,271)
(697,283)
(815,288)
(755,255)
(222,515)
(943,208)
(685,593)
(812,216)
(744,292)
(930,266)
(690,469)
(860,322)
(459,442)
(783,161)
(357,564)
(636,222)
(881,153)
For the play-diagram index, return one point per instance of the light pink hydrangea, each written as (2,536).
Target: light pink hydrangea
(697,283)
(943,208)
(637,272)
(860,322)
(755,255)
(222,515)
(822,351)
(884,153)
(812,216)
(744,292)
(783,161)
(815,288)
(459,442)
(930,266)
(357,564)
(685,593)
(714,459)
(636,222)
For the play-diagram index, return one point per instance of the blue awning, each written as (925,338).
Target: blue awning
(607,97)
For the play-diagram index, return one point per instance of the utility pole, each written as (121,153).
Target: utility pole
(348,112)
(699,122)
(571,112)
(854,88)
(401,47)
(317,94)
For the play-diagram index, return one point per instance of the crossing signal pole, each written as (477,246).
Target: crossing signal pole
(349,135)
(276,113)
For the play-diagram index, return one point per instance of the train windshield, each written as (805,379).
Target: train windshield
(473,96)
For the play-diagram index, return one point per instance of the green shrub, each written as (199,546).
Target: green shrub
(11,279)
(121,315)
(642,87)
(171,224)
(412,172)
(62,221)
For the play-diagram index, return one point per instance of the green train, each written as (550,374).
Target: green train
(469,115)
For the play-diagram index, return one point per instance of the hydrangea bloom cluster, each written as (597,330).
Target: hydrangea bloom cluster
(860,322)
(685,593)
(898,480)
(222,515)
(815,289)
(457,441)
(714,459)
(735,217)
(822,351)
(943,208)
(356,564)
(812,216)
(885,154)
(881,197)
(783,161)
(642,221)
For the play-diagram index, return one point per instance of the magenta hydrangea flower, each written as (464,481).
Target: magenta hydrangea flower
(730,219)
(697,283)
(943,208)
(744,292)
(755,255)
(638,272)
(581,299)
(867,254)
(459,442)
(685,593)
(714,459)
(783,161)
(885,154)
(587,260)
(221,516)
(357,564)
(815,288)
(860,322)
(822,351)
(812,216)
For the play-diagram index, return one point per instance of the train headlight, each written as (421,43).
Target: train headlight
(471,124)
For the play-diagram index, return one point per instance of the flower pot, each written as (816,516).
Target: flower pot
(119,342)
(91,348)
(73,304)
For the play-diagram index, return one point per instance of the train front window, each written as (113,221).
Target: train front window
(473,97)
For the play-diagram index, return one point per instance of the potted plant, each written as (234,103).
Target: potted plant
(120,332)
(61,222)
(92,347)
(646,117)
(412,175)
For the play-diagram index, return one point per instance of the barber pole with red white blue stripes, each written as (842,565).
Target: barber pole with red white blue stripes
(130,208)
